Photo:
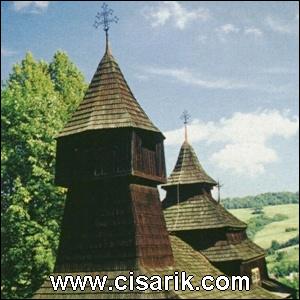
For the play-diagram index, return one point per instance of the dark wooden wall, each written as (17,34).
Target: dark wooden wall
(93,156)
(184,192)
(229,267)
(112,225)
(110,221)
(98,230)
(238,267)
(260,263)
(100,154)
(152,239)
(203,239)
(235,237)
(148,159)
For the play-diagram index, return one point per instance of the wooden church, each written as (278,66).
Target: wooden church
(195,217)
(110,157)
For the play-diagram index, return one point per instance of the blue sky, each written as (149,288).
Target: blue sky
(233,65)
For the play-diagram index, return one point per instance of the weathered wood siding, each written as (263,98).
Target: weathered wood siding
(152,239)
(97,155)
(93,156)
(148,156)
(98,230)
(236,236)
(113,225)
(230,268)
(260,263)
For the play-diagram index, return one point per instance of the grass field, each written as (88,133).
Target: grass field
(284,266)
(275,230)
(293,253)
(291,257)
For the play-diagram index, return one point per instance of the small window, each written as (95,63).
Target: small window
(255,276)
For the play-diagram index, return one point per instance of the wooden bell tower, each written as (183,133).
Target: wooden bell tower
(110,156)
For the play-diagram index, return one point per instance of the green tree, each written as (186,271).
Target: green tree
(275,245)
(35,105)
(67,80)
(280,255)
(258,208)
(262,199)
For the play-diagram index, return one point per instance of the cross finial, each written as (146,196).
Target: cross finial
(185,117)
(105,17)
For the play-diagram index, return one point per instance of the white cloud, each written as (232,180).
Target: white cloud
(244,158)
(141,77)
(174,12)
(284,27)
(243,139)
(227,29)
(194,78)
(7,52)
(30,6)
(256,32)
(189,77)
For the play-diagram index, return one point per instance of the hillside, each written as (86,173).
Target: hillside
(274,230)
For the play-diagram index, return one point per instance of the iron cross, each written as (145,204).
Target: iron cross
(105,17)
(185,117)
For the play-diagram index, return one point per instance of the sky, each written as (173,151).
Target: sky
(233,65)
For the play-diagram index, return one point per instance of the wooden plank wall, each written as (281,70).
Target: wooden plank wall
(148,155)
(92,157)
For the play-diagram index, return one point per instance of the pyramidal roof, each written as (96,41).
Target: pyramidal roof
(188,169)
(108,103)
(199,212)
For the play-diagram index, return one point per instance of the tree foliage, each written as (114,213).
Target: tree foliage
(275,245)
(37,99)
(261,200)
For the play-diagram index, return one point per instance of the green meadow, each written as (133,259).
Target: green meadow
(275,230)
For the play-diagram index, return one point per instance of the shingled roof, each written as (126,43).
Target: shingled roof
(108,103)
(199,212)
(188,169)
(245,250)
(186,259)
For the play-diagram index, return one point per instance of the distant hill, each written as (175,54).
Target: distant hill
(261,200)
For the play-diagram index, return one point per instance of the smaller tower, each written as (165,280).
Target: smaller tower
(188,176)
(192,214)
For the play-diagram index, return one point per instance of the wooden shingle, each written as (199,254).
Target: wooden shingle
(108,103)
(186,259)
(188,169)
(245,250)
(199,212)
